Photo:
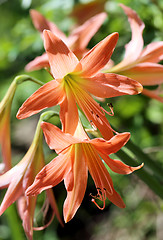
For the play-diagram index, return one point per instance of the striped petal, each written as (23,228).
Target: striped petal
(61,59)
(49,95)
(111,146)
(51,175)
(98,56)
(55,138)
(119,167)
(111,85)
(69,111)
(76,193)
(101,177)
(93,112)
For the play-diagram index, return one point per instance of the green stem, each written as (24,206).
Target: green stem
(44,117)
(11,90)
(22,78)
(142,157)
(14,223)
(142,173)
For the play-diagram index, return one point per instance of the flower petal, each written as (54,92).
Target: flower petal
(111,85)
(93,112)
(5,141)
(26,207)
(14,191)
(41,23)
(55,138)
(38,63)
(69,111)
(118,166)
(98,56)
(111,146)
(152,94)
(84,11)
(53,204)
(146,73)
(51,175)
(135,46)
(153,52)
(76,194)
(61,58)
(102,177)
(49,95)
(86,31)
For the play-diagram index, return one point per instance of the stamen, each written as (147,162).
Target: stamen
(110,105)
(101,195)
(44,210)
(96,117)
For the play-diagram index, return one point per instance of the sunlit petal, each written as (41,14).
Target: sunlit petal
(6,178)
(76,194)
(153,52)
(135,46)
(146,73)
(98,56)
(50,94)
(111,85)
(69,111)
(61,58)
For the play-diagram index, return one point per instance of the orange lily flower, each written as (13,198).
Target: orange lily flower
(76,41)
(5,142)
(18,178)
(77,155)
(138,63)
(75,81)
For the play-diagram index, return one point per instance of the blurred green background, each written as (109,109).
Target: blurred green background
(143,117)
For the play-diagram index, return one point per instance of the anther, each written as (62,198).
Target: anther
(101,195)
